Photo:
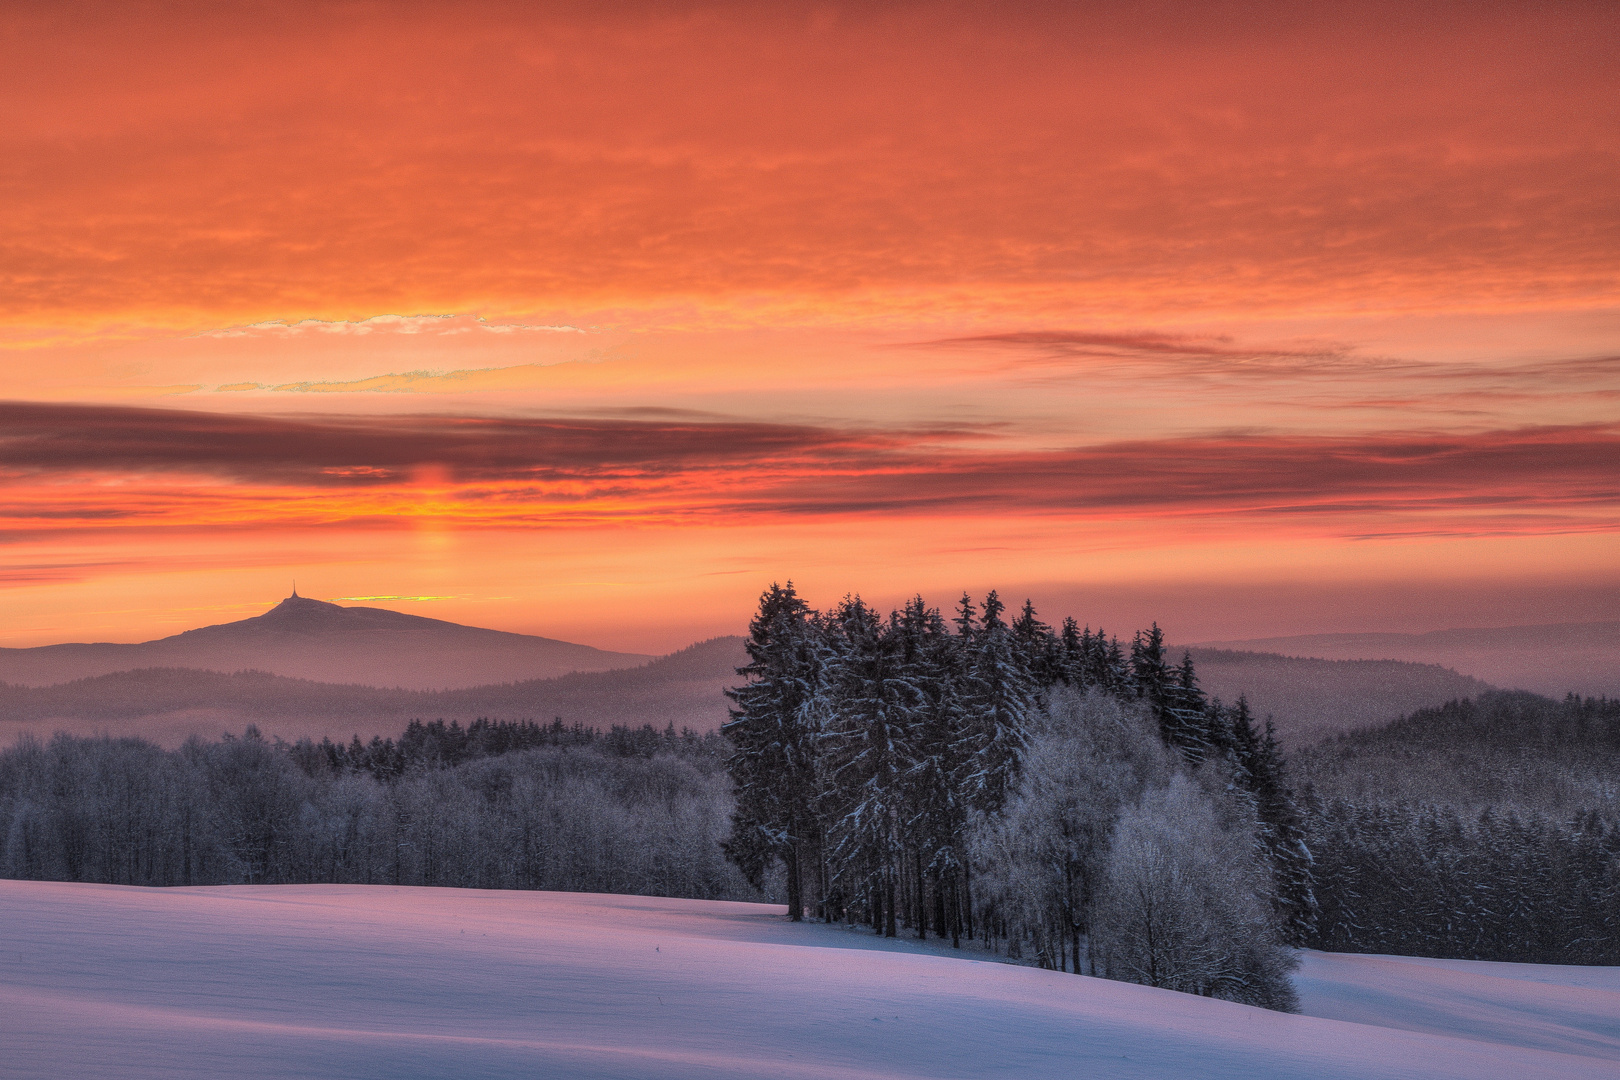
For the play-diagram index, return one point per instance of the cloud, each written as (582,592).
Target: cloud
(1320,374)
(498,472)
(384,324)
(1080,351)
(393,597)
(1321,158)
(516,377)
(49,438)
(61,572)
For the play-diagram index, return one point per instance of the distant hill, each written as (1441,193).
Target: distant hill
(1554,658)
(310,639)
(1309,698)
(1511,750)
(170,704)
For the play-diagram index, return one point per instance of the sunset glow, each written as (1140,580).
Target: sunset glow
(591,321)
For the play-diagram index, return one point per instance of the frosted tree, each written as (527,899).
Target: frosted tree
(1185,906)
(1259,768)
(873,704)
(998,696)
(935,803)
(1039,650)
(774,729)
(1040,861)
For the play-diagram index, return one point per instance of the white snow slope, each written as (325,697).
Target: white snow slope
(359,982)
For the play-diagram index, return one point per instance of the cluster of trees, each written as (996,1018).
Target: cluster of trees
(1043,790)
(1484,829)
(579,816)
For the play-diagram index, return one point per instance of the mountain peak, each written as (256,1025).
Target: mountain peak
(300,608)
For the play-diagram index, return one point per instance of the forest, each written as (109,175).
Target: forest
(493,806)
(1052,794)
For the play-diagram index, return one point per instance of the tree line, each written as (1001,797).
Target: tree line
(490,806)
(435,744)
(1046,791)
(1420,880)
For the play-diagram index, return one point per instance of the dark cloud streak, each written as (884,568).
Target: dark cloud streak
(366,451)
(1045,355)
(1553,477)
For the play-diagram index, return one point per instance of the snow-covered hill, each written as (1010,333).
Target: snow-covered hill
(371,981)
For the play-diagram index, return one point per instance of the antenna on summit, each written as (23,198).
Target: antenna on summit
(295,589)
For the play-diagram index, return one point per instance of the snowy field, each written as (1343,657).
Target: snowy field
(358,982)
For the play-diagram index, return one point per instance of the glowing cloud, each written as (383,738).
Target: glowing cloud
(391,597)
(391,324)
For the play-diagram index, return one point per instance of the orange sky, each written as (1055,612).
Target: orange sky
(590,320)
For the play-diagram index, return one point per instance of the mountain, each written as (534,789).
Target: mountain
(1554,658)
(310,639)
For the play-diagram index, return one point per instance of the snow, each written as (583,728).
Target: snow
(1574,1010)
(372,981)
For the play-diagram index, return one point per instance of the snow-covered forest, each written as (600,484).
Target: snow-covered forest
(1065,797)
(1049,793)
(1043,791)
(502,806)
(1482,829)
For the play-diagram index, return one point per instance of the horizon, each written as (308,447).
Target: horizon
(1123,633)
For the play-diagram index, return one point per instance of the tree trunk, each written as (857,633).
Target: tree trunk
(889,927)
(795,886)
(967,899)
(955,914)
(922,902)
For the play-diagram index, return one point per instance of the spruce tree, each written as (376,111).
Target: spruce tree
(935,799)
(866,750)
(774,729)
(1260,767)
(1073,647)
(1038,648)
(999,694)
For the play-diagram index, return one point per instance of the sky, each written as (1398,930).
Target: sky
(593,320)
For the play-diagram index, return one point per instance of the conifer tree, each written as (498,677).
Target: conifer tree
(1038,649)
(1187,714)
(1113,670)
(1073,650)
(867,749)
(998,696)
(1259,765)
(938,810)
(774,731)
